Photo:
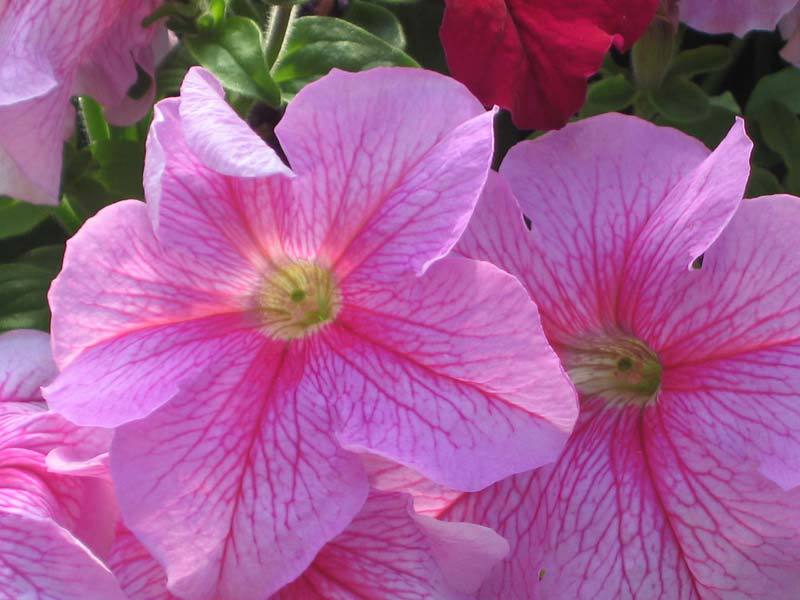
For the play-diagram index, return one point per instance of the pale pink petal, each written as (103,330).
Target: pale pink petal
(235,483)
(389,552)
(587,212)
(138,574)
(30,153)
(84,505)
(389,172)
(218,136)
(685,223)
(790,30)
(464,395)
(642,504)
(42,44)
(26,364)
(733,16)
(230,226)
(729,332)
(386,476)
(121,301)
(109,72)
(39,559)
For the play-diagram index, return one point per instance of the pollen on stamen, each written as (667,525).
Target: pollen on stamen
(297,299)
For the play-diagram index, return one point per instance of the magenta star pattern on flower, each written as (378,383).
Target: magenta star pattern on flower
(252,327)
(50,50)
(56,518)
(679,480)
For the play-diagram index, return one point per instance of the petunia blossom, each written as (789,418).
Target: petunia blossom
(679,479)
(789,27)
(52,49)
(52,511)
(252,326)
(534,57)
(388,551)
(734,16)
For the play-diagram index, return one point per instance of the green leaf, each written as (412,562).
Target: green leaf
(121,166)
(608,95)
(704,59)
(680,100)
(316,45)
(762,183)
(18,217)
(233,52)
(172,70)
(379,21)
(23,289)
(780,129)
(710,130)
(726,101)
(783,87)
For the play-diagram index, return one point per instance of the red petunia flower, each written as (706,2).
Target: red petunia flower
(533,57)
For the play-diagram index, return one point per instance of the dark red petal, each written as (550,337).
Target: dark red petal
(533,57)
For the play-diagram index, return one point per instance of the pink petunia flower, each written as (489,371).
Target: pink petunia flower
(258,325)
(678,481)
(734,16)
(388,551)
(55,518)
(52,49)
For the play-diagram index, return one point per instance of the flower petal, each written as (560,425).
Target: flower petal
(235,484)
(138,574)
(689,219)
(231,226)
(729,334)
(39,559)
(112,68)
(587,208)
(590,526)
(386,476)
(389,552)
(534,58)
(391,171)
(30,153)
(733,16)
(216,134)
(121,301)
(465,395)
(26,364)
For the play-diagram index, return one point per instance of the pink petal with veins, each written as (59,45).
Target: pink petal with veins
(248,491)
(241,467)
(232,227)
(52,525)
(26,364)
(458,380)
(49,50)
(230,147)
(689,493)
(390,552)
(39,559)
(733,16)
(387,476)
(138,574)
(380,187)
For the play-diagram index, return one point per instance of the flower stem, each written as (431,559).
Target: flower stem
(96,126)
(278,25)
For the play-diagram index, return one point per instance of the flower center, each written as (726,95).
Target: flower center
(298,299)
(619,370)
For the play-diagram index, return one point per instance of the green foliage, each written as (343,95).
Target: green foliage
(233,51)
(23,288)
(316,45)
(17,217)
